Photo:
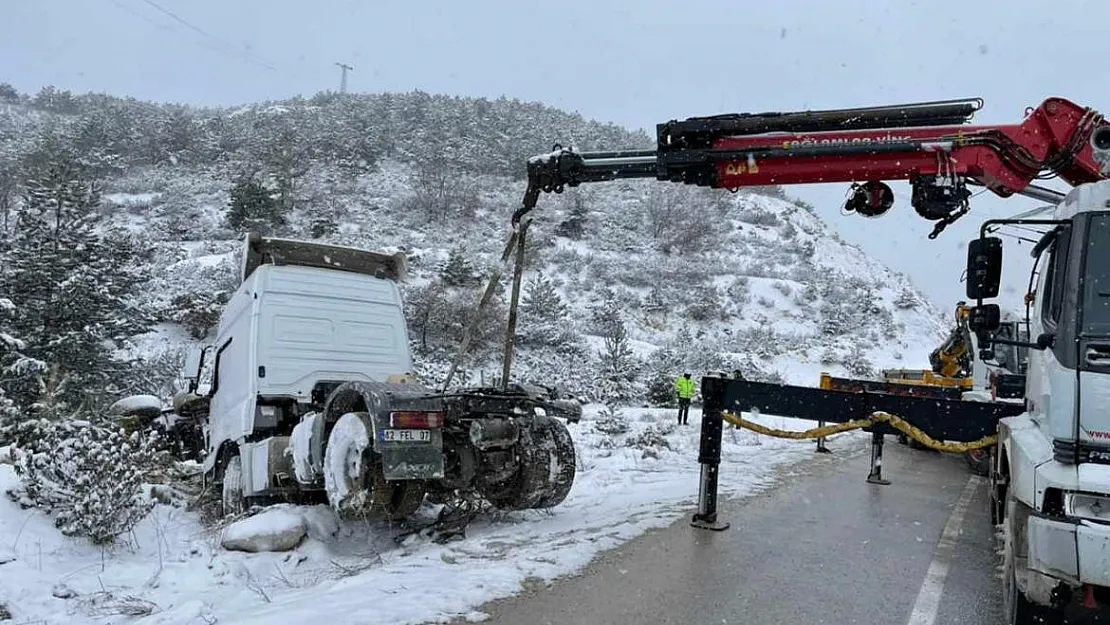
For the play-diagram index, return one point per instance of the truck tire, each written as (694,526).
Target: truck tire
(562,451)
(353,476)
(979,462)
(546,469)
(231,491)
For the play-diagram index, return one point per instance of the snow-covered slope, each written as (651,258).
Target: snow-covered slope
(753,280)
(757,282)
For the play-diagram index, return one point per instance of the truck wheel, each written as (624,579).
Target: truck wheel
(978,460)
(562,453)
(232,498)
(546,471)
(353,476)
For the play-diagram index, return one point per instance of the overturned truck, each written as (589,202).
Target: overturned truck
(307,393)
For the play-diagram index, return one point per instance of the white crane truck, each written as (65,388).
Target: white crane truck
(311,396)
(1050,474)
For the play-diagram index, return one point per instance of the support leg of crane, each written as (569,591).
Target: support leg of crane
(821,449)
(706,516)
(709,455)
(876,475)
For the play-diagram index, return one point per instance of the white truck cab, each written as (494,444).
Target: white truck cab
(1051,471)
(311,394)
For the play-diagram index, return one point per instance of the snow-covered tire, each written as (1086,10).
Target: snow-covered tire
(546,471)
(353,475)
(231,492)
(562,453)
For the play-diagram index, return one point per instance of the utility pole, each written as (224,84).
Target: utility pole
(343,77)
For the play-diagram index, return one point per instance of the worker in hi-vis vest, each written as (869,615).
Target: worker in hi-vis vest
(685,387)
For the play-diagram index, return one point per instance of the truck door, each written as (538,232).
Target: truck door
(1094,332)
(1052,382)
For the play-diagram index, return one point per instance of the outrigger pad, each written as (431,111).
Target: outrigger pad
(716,526)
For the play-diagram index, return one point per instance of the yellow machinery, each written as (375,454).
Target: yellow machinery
(952,362)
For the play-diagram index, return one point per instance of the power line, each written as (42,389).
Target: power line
(227,46)
(158,25)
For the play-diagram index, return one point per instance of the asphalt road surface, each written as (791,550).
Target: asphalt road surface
(823,547)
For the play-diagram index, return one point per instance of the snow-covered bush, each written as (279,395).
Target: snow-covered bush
(906,299)
(88,477)
(653,437)
(759,216)
(611,421)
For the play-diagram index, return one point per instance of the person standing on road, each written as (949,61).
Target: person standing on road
(736,375)
(685,387)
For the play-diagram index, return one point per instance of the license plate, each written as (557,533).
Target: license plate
(407,436)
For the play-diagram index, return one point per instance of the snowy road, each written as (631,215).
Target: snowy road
(825,547)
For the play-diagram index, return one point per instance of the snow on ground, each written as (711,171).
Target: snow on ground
(360,574)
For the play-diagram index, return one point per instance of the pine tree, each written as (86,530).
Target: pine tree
(252,208)
(619,369)
(544,317)
(655,304)
(71,289)
(606,314)
(458,270)
(574,226)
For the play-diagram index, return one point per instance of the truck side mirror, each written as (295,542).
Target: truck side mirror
(984,267)
(194,362)
(984,319)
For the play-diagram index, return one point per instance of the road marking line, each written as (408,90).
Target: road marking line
(928,599)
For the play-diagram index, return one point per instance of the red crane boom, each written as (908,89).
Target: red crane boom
(924,143)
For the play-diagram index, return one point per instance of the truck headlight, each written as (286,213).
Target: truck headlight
(1090,507)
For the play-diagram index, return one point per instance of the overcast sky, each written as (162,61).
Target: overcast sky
(635,63)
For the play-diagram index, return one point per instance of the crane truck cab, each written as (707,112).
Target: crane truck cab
(311,395)
(1050,475)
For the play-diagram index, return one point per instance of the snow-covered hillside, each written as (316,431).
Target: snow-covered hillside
(745,280)
(696,279)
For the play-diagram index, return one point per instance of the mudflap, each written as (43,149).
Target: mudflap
(408,460)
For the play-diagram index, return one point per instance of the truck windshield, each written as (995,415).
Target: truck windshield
(1096,299)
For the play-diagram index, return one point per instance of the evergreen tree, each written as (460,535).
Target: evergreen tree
(323,227)
(619,369)
(253,209)
(606,314)
(71,289)
(458,270)
(655,304)
(543,314)
(574,226)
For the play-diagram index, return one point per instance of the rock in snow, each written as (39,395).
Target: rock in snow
(144,405)
(276,529)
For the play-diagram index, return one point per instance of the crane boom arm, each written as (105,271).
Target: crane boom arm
(924,143)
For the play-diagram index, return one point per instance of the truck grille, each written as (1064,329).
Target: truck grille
(1071,452)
